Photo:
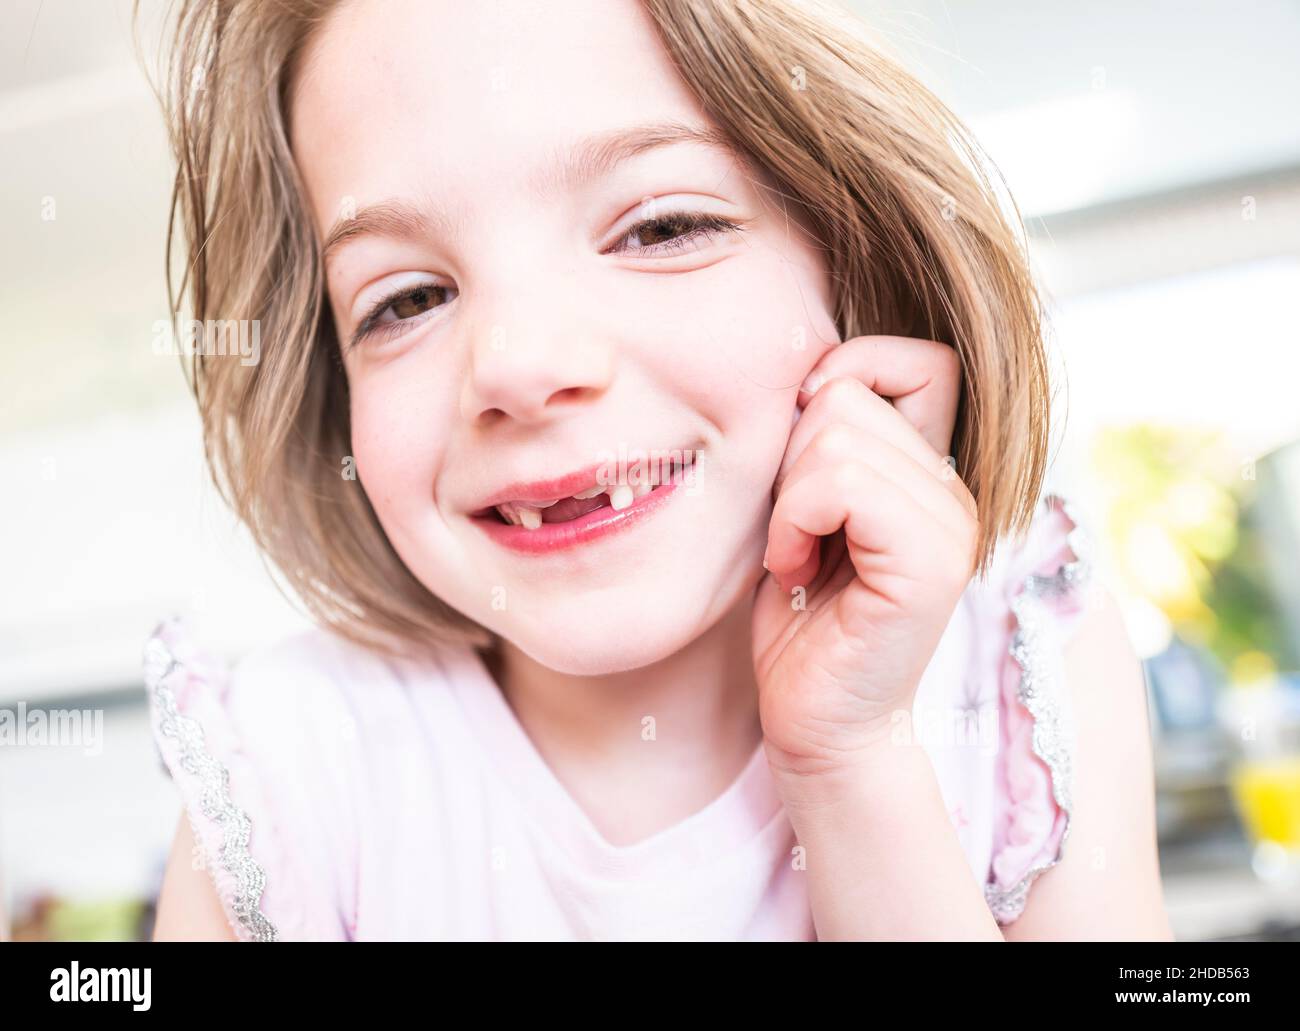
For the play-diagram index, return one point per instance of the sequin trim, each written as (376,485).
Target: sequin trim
(1040,694)
(249,878)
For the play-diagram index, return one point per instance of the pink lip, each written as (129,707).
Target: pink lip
(544,490)
(551,537)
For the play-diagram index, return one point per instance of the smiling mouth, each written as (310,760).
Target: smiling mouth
(636,483)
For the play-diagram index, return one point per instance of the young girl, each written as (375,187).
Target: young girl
(651,408)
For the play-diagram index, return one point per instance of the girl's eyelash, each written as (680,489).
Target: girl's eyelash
(689,225)
(369,324)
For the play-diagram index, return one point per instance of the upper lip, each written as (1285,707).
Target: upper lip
(543,490)
(553,489)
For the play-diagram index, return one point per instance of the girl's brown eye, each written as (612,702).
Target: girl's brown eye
(417,301)
(648,234)
(673,232)
(401,310)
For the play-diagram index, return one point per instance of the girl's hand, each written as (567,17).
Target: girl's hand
(870,546)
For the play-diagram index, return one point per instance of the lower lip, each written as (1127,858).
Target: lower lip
(603,522)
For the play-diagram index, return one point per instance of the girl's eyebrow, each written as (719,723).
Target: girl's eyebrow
(588,159)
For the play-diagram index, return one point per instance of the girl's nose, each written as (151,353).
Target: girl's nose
(534,372)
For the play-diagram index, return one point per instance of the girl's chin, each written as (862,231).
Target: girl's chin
(613,646)
(640,614)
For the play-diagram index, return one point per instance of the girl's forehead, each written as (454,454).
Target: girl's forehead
(483,84)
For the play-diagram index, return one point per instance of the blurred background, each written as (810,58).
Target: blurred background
(1154,151)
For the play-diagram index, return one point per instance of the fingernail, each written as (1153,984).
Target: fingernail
(811,384)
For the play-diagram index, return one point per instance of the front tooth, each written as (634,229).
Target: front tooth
(530,517)
(509,513)
(620,496)
(590,493)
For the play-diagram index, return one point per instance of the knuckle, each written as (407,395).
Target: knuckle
(835,440)
(947,369)
(849,478)
(841,389)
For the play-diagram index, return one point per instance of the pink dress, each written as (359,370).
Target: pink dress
(336,794)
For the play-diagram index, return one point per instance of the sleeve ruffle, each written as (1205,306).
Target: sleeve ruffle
(1045,589)
(196,730)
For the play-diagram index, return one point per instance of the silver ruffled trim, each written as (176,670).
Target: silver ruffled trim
(250,880)
(1042,696)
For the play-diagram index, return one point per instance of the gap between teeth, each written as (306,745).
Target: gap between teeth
(529,514)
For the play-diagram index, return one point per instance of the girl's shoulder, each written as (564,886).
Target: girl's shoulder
(1038,586)
(1006,761)
(1051,561)
(268,753)
(307,686)
(1044,586)
(299,694)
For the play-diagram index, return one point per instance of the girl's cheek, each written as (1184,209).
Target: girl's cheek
(395,450)
(755,351)
(740,361)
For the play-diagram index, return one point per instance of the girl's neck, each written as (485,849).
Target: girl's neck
(633,778)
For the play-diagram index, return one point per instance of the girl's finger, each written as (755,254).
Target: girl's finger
(850,402)
(887,532)
(842,443)
(921,377)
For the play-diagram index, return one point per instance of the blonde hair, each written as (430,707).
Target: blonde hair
(892,183)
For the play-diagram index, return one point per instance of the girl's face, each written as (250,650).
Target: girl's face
(516,304)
